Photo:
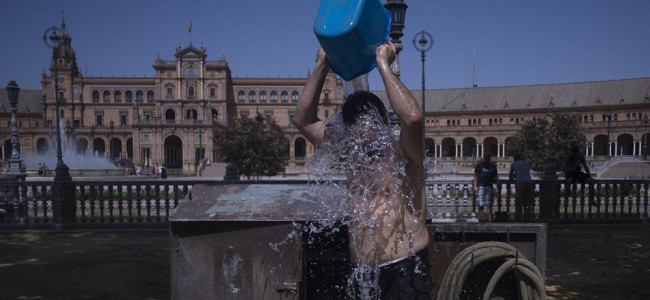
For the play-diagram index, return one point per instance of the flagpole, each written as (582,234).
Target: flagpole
(189,30)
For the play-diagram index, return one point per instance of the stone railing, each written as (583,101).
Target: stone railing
(453,200)
(123,203)
(148,203)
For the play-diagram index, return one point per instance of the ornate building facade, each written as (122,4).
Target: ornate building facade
(170,118)
(166,119)
(463,124)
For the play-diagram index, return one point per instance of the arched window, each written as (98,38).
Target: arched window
(118,96)
(128,96)
(294,96)
(190,92)
(107,96)
(300,149)
(430,148)
(150,96)
(191,114)
(251,96)
(95,96)
(284,97)
(191,72)
(448,147)
(42,146)
(241,96)
(170,116)
(139,96)
(263,96)
(274,97)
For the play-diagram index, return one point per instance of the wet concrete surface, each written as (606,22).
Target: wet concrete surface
(583,262)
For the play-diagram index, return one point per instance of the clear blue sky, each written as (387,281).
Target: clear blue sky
(515,41)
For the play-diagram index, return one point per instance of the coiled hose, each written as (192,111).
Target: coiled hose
(529,280)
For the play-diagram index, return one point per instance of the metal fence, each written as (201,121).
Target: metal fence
(148,203)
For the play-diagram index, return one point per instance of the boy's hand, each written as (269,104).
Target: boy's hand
(386,54)
(321,56)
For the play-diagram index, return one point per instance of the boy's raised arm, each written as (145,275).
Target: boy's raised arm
(306,115)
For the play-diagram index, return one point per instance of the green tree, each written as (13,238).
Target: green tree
(256,146)
(549,139)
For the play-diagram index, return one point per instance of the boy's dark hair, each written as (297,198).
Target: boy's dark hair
(517,157)
(575,149)
(360,103)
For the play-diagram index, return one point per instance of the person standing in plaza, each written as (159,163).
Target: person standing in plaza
(485,176)
(162,171)
(520,171)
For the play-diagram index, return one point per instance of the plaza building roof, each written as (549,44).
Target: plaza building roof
(540,96)
(29,101)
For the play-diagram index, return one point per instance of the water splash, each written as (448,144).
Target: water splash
(232,267)
(70,155)
(368,156)
(357,84)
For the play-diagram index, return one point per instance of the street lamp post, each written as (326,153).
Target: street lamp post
(645,137)
(3,145)
(92,140)
(52,39)
(64,203)
(199,153)
(397,10)
(16,166)
(68,132)
(608,114)
(423,43)
(111,126)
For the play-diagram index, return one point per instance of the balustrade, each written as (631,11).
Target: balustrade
(150,202)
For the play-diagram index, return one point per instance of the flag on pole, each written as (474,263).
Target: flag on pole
(189,28)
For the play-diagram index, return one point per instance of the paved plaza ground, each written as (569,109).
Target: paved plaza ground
(583,262)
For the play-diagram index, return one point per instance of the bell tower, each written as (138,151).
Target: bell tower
(65,59)
(70,80)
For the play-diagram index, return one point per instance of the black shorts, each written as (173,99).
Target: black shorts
(409,278)
(577,176)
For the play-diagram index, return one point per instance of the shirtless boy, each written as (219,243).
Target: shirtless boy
(386,208)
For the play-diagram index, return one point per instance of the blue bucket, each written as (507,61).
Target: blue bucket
(349,32)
